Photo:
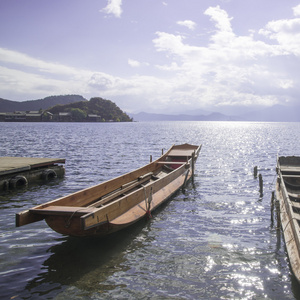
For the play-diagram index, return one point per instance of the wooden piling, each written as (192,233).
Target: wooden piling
(272,208)
(260,185)
(255,172)
(193,165)
(277,205)
(150,158)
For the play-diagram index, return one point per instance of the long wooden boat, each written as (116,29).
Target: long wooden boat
(288,194)
(117,203)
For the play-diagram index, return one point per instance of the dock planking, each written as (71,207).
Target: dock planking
(9,165)
(21,171)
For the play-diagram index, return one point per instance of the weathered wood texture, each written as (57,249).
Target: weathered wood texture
(290,217)
(119,202)
(9,165)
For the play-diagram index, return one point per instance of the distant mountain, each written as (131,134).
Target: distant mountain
(197,112)
(147,117)
(277,113)
(34,105)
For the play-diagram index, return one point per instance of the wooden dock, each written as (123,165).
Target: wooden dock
(21,171)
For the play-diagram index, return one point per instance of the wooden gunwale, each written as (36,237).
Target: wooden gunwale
(139,210)
(107,198)
(115,203)
(289,218)
(288,203)
(120,206)
(87,196)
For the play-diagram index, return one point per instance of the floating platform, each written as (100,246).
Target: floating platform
(20,171)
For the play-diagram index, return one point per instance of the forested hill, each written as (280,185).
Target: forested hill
(30,105)
(106,109)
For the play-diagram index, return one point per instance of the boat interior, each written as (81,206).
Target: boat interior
(170,164)
(291,177)
(166,166)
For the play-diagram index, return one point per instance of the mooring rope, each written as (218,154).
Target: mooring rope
(272,184)
(68,223)
(289,222)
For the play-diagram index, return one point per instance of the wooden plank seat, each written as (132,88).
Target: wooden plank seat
(295,204)
(180,152)
(171,162)
(293,195)
(297,216)
(63,210)
(294,169)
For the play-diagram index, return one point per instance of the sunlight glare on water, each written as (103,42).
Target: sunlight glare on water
(215,240)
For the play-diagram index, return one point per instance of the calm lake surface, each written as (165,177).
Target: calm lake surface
(214,241)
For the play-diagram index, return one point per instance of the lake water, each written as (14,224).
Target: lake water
(214,241)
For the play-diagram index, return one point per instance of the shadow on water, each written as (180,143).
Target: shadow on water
(295,286)
(84,263)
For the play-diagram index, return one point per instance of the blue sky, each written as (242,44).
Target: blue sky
(157,56)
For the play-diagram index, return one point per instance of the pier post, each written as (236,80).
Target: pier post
(272,208)
(260,185)
(255,172)
(151,158)
(193,165)
(277,205)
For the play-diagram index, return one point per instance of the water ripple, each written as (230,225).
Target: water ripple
(215,240)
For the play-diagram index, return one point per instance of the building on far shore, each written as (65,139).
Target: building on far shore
(64,117)
(93,118)
(21,116)
(44,116)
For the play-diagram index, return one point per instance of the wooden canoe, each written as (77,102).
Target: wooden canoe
(117,203)
(288,195)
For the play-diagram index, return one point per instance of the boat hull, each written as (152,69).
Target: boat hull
(120,202)
(288,195)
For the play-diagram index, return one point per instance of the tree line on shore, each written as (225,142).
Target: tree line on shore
(104,110)
(63,108)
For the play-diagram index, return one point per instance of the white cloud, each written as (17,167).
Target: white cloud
(24,77)
(134,63)
(296,10)
(19,83)
(17,58)
(113,7)
(187,23)
(286,84)
(101,81)
(172,43)
(172,67)
(286,33)
(221,18)
(229,70)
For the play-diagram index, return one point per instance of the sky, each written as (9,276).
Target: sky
(154,56)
